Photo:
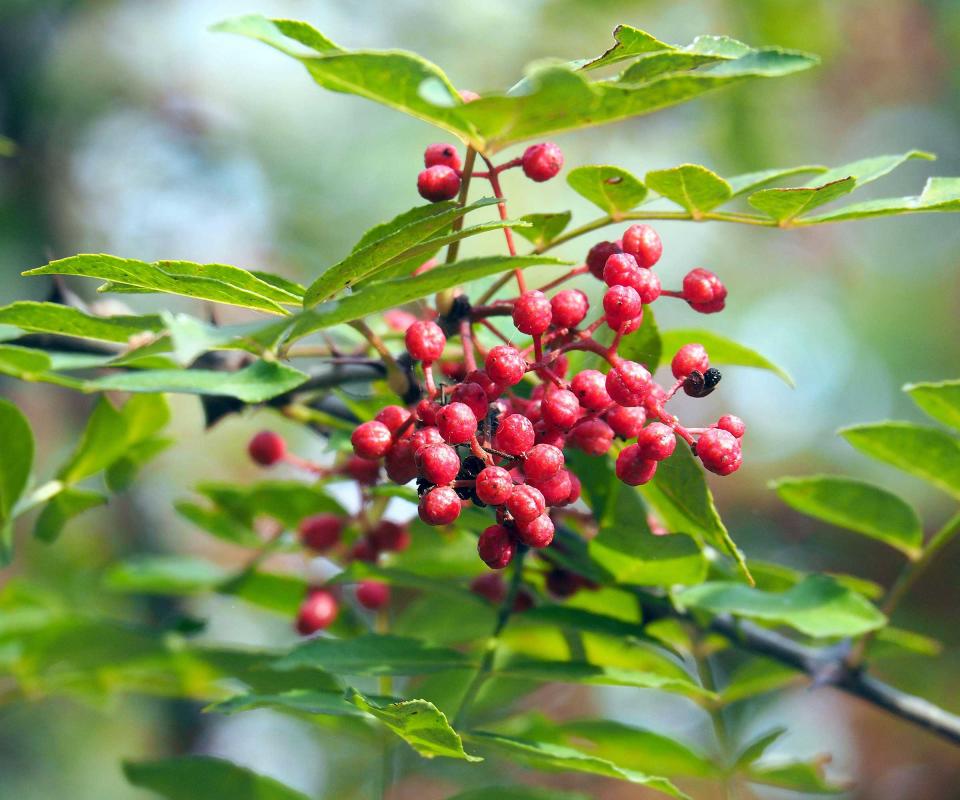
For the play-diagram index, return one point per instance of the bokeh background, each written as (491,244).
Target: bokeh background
(141,133)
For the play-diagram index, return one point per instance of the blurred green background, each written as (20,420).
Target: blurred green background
(142,134)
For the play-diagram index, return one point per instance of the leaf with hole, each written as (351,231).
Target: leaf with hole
(612,189)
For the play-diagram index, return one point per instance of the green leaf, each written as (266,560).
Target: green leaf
(219,524)
(273,591)
(122,472)
(419,723)
(67,321)
(287,501)
(580,619)
(219,283)
(16,461)
(757,676)
(372,654)
(364,262)
(797,776)
(867,170)
(168,574)
(543,228)
(64,506)
(103,442)
(751,181)
(941,400)
(630,42)
(817,606)
(785,205)
(856,506)
(939,195)
(722,351)
(691,186)
(927,453)
(32,365)
(517,793)
(205,778)
(596,675)
(559,758)
(302,701)
(612,189)
(645,345)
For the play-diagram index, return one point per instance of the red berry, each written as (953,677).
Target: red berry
(558,366)
(562,583)
(364,550)
(621,304)
(489,586)
(704,291)
(491,388)
(390,536)
(525,503)
(569,307)
(532,313)
(505,365)
(643,243)
(632,468)
(494,485)
(495,547)
(439,463)
(422,437)
(626,421)
(598,255)
(455,370)
(690,357)
(473,396)
(555,490)
(457,423)
(362,470)
(628,383)
(399,461)
(425,340)
(371,440)
(443,154)
(719,450)
(536,533)
(439,506)
(732,424)
(317,612)
(541,162)
(574,489)
(544,434)
(438,183)
(653,402)
(267,448)
(427,411)
(590,388)
(593,436)
(621,269)
(647,286)
(394,417)
(373,594)
(514,435)
(560,409)
(656,442)
(320,532)
(542,462)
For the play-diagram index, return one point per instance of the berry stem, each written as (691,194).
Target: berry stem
(305,464)
(564,278)
(507,232)
(495,331)
(469,352)
(428,379)
(444,299)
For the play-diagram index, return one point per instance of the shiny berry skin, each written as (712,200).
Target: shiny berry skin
(653,402)
(704,291)
(494,486)
(425,340)
(719,450)
(555,490)
(364,550)
(690,357)
(621,269)
(320,532)
(541,162)
(536,533)
(632,468)
(569,308)
(371,440)
(544,434)
(560,409)
(394,417)
(267,448)
(593,436)
(505,365)
(732,424)
(489,586)
(491,388)
(363,470)
(532,312)
(439,463)
(574,490)
(440,506)
(390,536)
(647,286)
(473,396)
(598,256)
(656,442)
(495,547)
(427,411)
(373,594)
(438,183)
(317,612)
(514,435)
(525,503)
(643,243)
(422,437)
(626,421)
(399,462)
(591,390)
(457,423)
(628,383)
(542,462)
(445,155)
(621,304)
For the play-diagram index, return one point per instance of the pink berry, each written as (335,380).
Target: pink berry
(399,462)
(598,256)
(560,409)
(373,594)
(542,462)
(525,503)
(532,313)
(443,154)
(653,402)
(626,421)
(495,547)
(439,463)
(468,96)
(704,291)
(398,320)
(569,308)
(457,423)
(317,612)
(541,162)
(621,304)
(363,470)
(364,550)
(320,532)
(422,437)
(643,243)
(574,490)
(454,370)
(494,486)
(690,357)
(394,417)
(390,536)
(438,183)
(558,366)
(632,468)
(427,411)
(491,388)
(473,396)
(544,434)
(267,448)
(590,388)
(371,440)
(628,383)
(505,365)
(621,269)
(555,490)
(514,435)
(732,424)
(439,506)
(538,532)
(425,340)
(656,442)
(593,436)
(719,450)
(648,286)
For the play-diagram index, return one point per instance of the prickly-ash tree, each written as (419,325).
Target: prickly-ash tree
(564,529)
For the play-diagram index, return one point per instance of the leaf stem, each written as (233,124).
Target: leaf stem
(444,299)
(494,178)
